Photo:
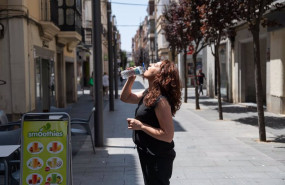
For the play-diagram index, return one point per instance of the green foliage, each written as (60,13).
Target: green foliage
(124,59)
(132,64)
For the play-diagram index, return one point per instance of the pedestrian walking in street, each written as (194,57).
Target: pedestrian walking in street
(153,128)
(105,84)
(201,77)
(121,78)
(91,85)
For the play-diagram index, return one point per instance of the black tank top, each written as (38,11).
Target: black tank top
(141,139)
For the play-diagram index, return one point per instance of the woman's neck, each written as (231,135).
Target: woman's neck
(150,84)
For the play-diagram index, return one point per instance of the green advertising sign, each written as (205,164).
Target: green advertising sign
(45,152)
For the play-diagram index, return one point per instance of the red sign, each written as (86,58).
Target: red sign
(191,50)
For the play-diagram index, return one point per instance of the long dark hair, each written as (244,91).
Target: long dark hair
(166,83)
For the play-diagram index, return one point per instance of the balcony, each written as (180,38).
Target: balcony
(151,28)
(66,14)
(49,30)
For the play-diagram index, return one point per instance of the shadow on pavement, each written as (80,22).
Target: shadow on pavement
(272,122)
(77,142)
(279,139)
(178,127)
(104,168)
(201,97)
(237,109)
(209,103)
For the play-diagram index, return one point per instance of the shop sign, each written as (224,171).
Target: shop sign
(45,156)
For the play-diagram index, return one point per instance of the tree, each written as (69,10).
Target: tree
(194,19)
(252,11)
(178,38)
(219,16)
(124,59)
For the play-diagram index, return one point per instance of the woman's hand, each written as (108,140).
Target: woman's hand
(134,124)
(133,77)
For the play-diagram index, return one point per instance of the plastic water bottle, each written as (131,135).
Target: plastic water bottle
(139,70)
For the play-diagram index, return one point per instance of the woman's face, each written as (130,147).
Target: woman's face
(152,70)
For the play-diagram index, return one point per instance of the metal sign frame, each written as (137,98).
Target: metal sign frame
(52,120)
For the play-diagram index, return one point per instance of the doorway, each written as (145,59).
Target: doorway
(45,84)
(223,71)
(70,87)
(86,72)
(248,89)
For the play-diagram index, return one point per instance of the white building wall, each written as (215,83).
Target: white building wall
(17,65)
(243,62)
(87,7)
(162,44)
(276,93)
(210,72)
(14,67)
(277,63)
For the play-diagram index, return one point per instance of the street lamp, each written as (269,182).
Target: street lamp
(115,57)
(110,57)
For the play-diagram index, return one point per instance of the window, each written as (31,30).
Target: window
(69,2)
(88,37)
(60,2)
(69,16)
(60,16)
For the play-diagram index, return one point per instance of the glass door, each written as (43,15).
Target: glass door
(39,106)
(45,84)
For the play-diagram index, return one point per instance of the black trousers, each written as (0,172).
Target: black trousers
(157,170)
(201,88)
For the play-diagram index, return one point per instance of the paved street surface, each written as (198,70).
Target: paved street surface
(209,151)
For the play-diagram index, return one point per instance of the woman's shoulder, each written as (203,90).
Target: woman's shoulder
(145,92)
(162,101)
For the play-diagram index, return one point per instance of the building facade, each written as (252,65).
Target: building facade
(163,51)
(85,48)
(151,31)
(37,56)
(236,61)
(238,71)
(140,43)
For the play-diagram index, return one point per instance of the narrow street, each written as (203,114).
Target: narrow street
(208,151)
(62,66)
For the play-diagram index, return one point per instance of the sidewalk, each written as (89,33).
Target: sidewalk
(209,151)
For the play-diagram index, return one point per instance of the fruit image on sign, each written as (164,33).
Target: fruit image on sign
(35,147)
(53,179)
(35,179)
(55,147)
(35,163)
(54,162)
